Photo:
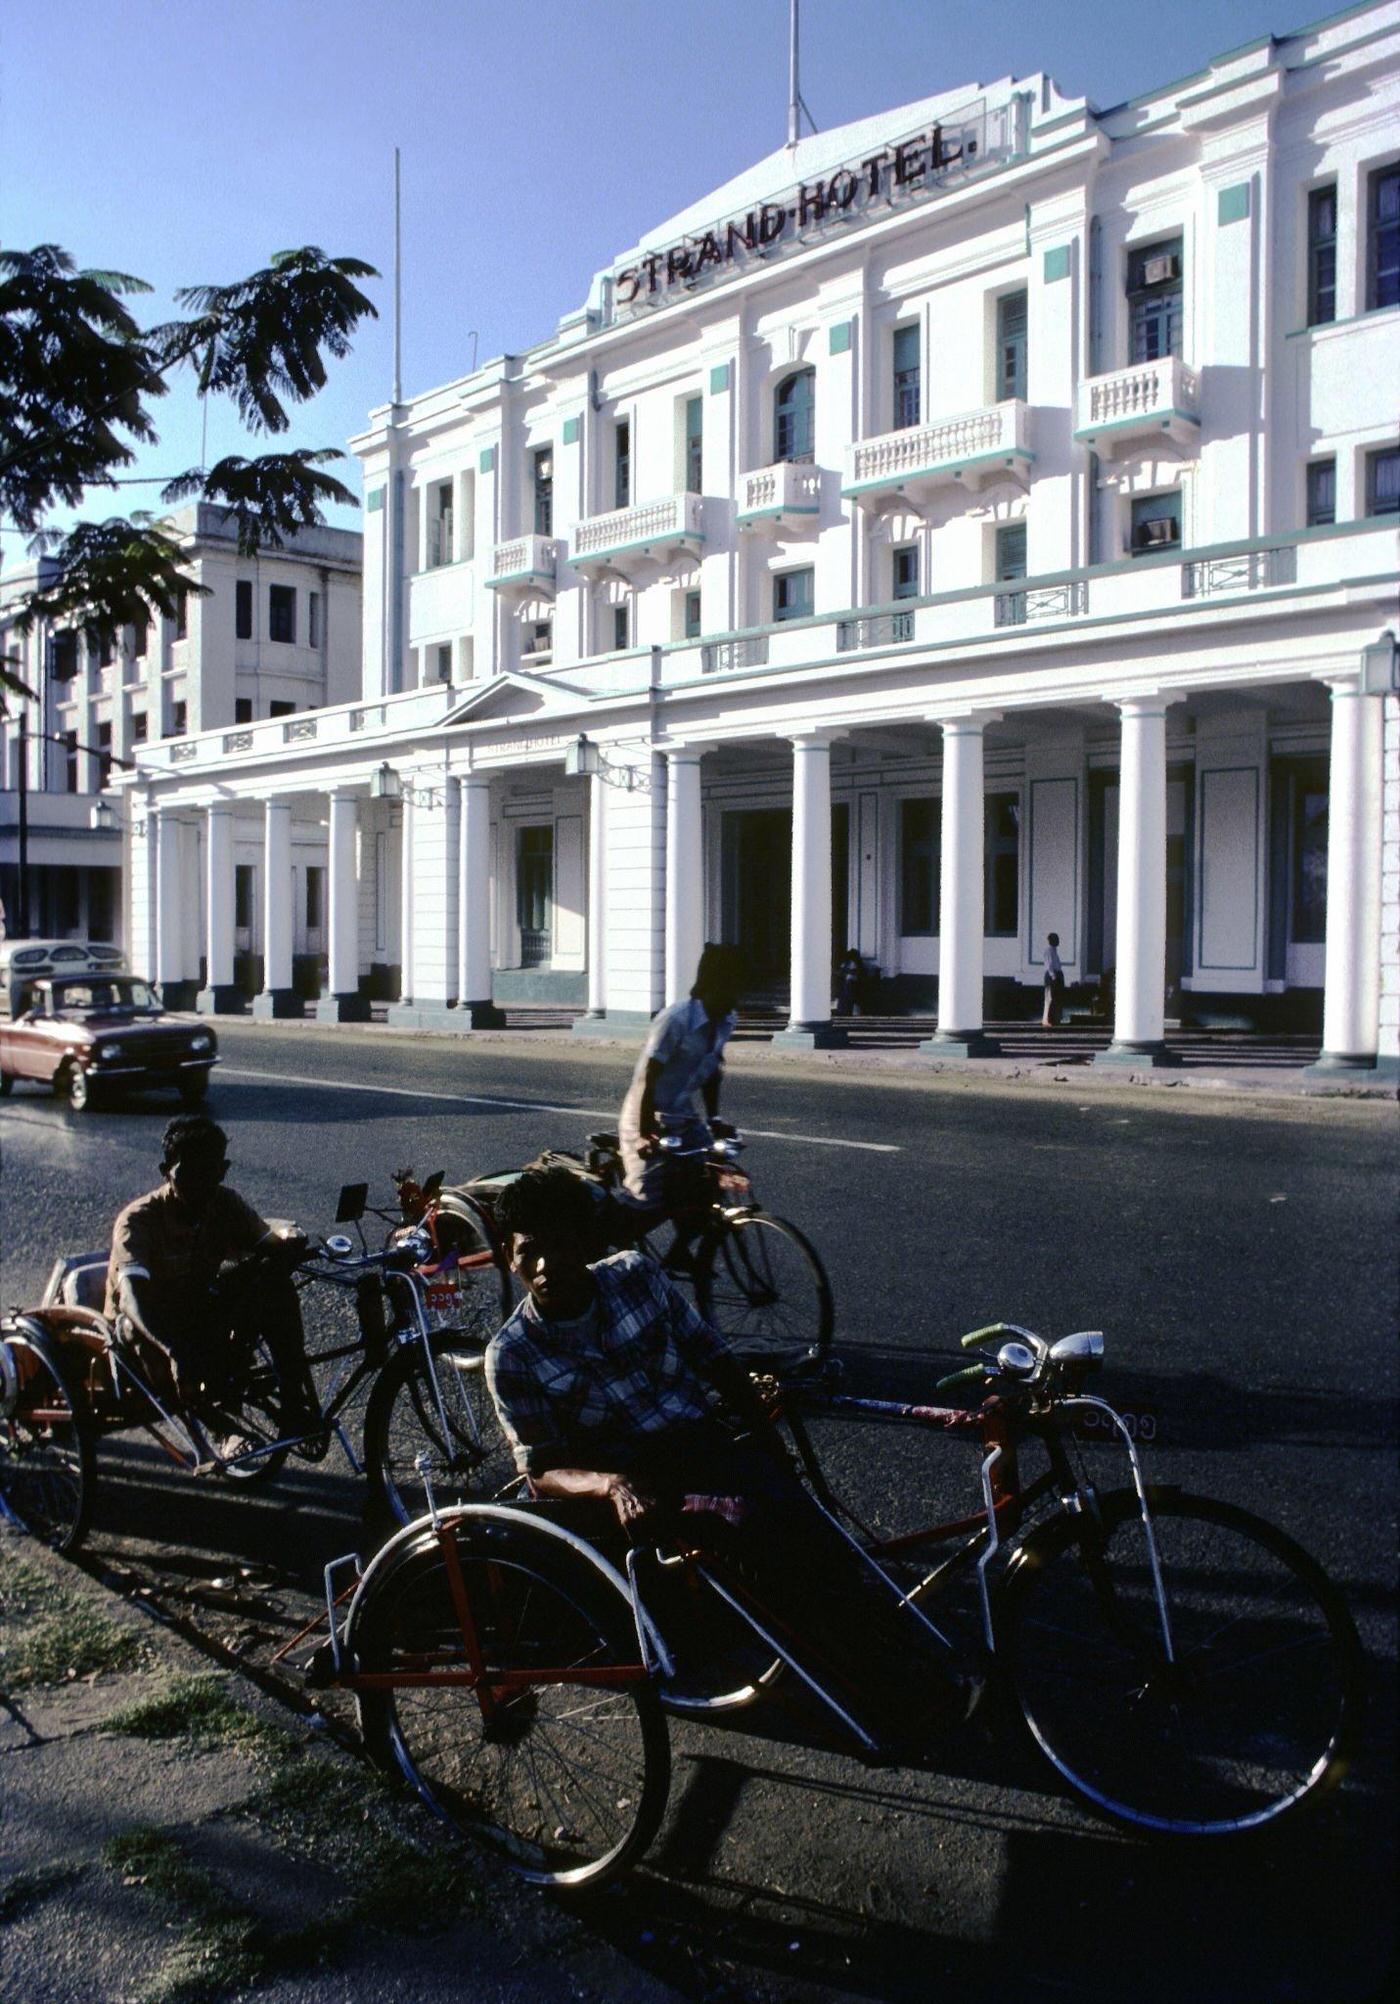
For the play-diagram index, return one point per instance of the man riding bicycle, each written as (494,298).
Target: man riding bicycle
(676,1085)
(169,1284)
(610,1387)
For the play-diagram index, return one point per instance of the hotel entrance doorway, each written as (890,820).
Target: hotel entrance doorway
(756,895)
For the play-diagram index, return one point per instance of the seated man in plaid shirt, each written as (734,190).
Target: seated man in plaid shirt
(610,1386)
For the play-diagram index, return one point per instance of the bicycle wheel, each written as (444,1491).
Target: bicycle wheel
(567,1779)
(765,1290)
(444,1412)
(1257,1709)
(46,1456)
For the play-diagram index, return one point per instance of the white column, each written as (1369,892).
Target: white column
(1355,782)
(406,897)
(474,905)
(809,1009)
(170,916)
(277,898)
(961,917)
(597,898)
(685,872)
(218,907)
(1139,1011)
(343,900)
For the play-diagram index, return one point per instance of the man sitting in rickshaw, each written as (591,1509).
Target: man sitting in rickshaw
(164,1286)
(611,1387)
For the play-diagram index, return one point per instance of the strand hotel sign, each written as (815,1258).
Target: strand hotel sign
(970,141)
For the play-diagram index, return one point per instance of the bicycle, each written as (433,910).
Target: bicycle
(68,1377)
(1185,1668)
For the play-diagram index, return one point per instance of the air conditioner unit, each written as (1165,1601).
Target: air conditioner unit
(1158,270)
(1154,535)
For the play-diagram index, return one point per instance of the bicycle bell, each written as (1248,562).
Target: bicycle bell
(1014,1360)
(339,1247)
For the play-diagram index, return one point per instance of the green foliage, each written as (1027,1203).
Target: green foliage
(110,574)
(75,373)
(201,1710)
(269,497)
(23,1891)
(49,1635)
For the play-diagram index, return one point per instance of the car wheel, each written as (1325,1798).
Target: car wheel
(78,1088)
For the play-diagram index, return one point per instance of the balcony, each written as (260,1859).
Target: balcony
(1150,401)
(629,542)
(777,500)
(526,567)
(906,468)
(1061,601)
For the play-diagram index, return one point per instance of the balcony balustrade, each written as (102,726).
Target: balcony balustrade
(875,629)
(907,467)
(1061,601)
(527,565)
(780,499)
(629,542)
(749,651)
(1247,572)
(1149,401)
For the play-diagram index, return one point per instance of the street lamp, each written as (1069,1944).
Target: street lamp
(103,818)
(385,783)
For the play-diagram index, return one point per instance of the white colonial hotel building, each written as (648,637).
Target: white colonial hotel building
(974,522)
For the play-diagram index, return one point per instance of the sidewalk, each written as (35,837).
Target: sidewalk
(168,1835)
(1217,1060)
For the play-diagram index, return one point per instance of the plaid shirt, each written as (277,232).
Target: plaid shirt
(569,1392)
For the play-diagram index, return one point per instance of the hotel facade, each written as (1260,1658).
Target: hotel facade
(970,523)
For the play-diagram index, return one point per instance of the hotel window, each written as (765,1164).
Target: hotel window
(538,639)
(313,619)
(439,527)
(1383,482)
(1011,346)
(1383,239)
(919,856)
(622,463)
(140,638)
(794,416)
(243,709)
(63,659)
(281,708)
(693,446)
(1155,301)
(138,727)
(792,594)
(182,614)
(534,891)
(178,720)
(619,628)
(1308,797)
(1001,820)
(904,571)
(315,895)
(1322,493)
(243,609)
(690,624)
(542,478)
(243,897)
(282,613)
(908,384)
(1155,523)
(1322,256)
(104,754)
(106,649)
(1011,552)
(70,761)
(444,661)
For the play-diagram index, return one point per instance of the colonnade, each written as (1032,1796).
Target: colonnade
(445,957)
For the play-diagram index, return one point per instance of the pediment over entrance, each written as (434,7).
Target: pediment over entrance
(513,697)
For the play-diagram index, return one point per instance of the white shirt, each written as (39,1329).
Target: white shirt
(1052,961)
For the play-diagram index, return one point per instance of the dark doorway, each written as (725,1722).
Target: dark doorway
(840,880)
(756,892)
(1101,943)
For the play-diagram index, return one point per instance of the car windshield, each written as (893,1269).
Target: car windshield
(104,996)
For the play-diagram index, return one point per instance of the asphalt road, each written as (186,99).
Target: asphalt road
(1238,1253)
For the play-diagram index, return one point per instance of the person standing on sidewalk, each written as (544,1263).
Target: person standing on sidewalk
(1054,983)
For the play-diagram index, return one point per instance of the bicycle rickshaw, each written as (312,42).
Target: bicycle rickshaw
(1185,1668)
(423,1308)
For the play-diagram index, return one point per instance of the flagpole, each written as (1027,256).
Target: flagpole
(794,98)
(398,287)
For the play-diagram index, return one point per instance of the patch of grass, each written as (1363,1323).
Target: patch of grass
(23,1890)
(49,1634)
(222,1947)
(199,1709)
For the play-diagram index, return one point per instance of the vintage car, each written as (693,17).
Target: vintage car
(89,1034)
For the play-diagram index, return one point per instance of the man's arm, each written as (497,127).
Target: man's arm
(629,1499)
(709,1092)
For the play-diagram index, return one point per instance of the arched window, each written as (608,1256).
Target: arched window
(794,415)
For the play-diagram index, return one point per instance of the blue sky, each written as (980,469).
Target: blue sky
(186,140)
